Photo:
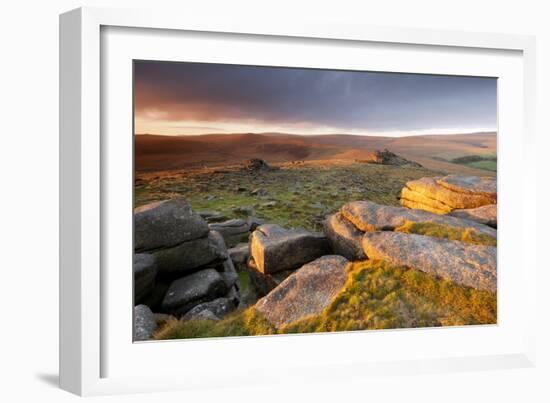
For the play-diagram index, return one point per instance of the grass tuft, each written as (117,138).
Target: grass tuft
(468,235)
(247,322)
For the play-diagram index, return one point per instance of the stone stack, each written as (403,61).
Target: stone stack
(256,164)
(366,230)
(233,231)
(442,195)
(484,215)
(275,252)
(386,157)
(180,264)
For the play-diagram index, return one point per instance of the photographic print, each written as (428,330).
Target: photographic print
(277,200)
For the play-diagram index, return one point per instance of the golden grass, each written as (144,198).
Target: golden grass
(247,322)
(468,235)
(377,295)
(380,296)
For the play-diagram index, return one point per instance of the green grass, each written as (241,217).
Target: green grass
(303,195)
(488,165)
(377,295)
(244,281)
(444,231)
(486,161)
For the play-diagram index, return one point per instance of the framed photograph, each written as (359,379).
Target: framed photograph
(291,196)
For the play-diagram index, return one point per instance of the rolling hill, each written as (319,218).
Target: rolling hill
(436,152)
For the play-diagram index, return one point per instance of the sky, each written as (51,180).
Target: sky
(173,98)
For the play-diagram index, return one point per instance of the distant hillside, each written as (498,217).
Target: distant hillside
(435,152)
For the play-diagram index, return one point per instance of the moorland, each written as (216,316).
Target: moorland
(297,182)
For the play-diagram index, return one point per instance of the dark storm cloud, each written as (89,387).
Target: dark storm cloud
(342,99)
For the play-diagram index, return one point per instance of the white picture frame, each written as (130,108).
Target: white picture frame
(87,345)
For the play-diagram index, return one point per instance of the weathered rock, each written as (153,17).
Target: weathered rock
(192,290)
(155,298)
(144,323)
(306,292)
(344,238)
(219,307)
(145,271)
(212,216)
(206,315)
(416,200)
(226,268)
(256,164)
(240,253)
(277,249)
(166,223)
(484,215)
(233,231)
(473,185)
(263,283)
(191,255)
(217,240)
(386,157)
(228,273)
(443,194)
(234,295)
(463,263)
(206,214)
(368,216)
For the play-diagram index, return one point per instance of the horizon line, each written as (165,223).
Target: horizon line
(388,134)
